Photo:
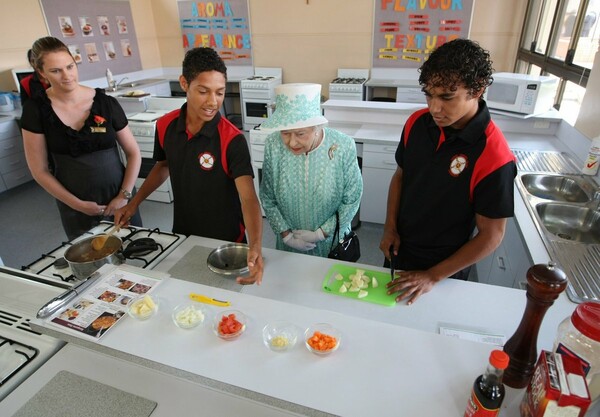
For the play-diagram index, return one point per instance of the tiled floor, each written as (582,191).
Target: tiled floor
(30,226)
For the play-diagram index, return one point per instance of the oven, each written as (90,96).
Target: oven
(349,85)
(22,350)
(255,111)
(258,96)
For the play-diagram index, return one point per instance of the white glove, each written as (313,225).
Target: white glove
(297,243)
(308,236)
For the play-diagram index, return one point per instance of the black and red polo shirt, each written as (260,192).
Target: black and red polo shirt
(447,177)
(203,169)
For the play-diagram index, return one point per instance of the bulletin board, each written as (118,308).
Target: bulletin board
(223,26)
(99,33)
(405,32)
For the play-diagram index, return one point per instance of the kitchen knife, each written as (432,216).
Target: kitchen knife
(57,303)
(392,262)
(207,300)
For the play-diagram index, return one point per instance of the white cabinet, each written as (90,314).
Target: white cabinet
(507,266)
(379,164)
(13,166)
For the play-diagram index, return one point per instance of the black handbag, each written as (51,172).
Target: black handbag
(348,248)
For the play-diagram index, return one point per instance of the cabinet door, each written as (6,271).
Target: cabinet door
(376,183)
(516,250)
(501,273)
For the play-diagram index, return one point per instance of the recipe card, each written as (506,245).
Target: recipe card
(94,312)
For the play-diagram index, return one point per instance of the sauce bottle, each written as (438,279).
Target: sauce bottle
(488,390)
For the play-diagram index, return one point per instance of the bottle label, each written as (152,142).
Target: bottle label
(564,350)
(475,409)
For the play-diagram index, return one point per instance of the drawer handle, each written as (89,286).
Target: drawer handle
(501,263)
(15,162)
(389,163)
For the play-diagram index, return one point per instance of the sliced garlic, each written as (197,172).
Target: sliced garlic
(362,293)
(343,289)
(374,283)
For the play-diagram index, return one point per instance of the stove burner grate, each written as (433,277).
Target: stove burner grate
(15,356)
(141,247)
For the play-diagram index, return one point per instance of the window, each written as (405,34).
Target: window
(560,38)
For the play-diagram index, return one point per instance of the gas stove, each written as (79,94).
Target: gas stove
(258,96)
(349,85)
(22,350)
(143,248)
(265,79)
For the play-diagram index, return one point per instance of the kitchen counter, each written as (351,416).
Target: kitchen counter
(395,351)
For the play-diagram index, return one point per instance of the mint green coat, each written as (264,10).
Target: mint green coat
(305,191)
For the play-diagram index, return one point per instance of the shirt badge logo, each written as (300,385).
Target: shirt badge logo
(458,165)
(206,160)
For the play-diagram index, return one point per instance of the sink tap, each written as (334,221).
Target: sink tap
(121,81)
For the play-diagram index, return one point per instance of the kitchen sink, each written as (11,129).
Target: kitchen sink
(565,208)
(555,187)
(570,222)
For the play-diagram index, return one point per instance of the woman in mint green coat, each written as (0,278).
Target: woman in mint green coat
(310,172)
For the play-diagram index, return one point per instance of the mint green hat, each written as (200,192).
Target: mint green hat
(296,106)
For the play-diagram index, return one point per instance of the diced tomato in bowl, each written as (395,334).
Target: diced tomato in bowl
(229,324)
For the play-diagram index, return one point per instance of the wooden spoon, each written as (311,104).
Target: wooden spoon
(99,241)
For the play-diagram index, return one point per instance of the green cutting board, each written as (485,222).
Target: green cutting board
(376,295)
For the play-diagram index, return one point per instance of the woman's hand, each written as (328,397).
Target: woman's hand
(91,208)
(309,236)
(115,204)
(297,243)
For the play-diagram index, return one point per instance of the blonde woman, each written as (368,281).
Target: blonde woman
(78,128)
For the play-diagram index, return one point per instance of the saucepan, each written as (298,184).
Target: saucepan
(84,259)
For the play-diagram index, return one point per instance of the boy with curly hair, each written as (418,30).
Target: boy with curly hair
(455,173)
(208,162)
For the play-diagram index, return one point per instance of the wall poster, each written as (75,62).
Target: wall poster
(99,33)
(221,25)
(405,32)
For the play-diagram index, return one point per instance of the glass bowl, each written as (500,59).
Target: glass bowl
(143,307)
(280,336)
(230,333)
(188,316)
(321,334)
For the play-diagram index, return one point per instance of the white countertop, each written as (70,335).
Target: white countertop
(395,350)
(380,368)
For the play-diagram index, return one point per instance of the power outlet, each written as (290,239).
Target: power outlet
(541,124)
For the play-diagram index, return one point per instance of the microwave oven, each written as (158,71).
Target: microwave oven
(521,93)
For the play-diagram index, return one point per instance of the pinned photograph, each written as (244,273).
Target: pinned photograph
(66,26)
(103,25)
(109,50)
(91,52)
(122,25)
(85,25)
(125,47)
(75,52)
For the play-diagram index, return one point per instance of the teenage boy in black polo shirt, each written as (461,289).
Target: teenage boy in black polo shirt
(455,172)
(208,161)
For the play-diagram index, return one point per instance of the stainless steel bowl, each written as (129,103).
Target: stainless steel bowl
(229,259)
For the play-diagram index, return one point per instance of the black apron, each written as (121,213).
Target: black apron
(95,176)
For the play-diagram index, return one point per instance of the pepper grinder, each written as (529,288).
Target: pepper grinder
(544,285)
